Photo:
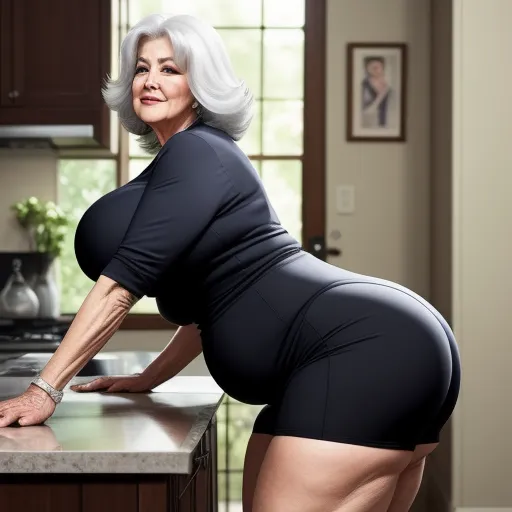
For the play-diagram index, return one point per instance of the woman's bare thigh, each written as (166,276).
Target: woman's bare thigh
(322,476)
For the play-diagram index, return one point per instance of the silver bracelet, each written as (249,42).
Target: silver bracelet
(55,394)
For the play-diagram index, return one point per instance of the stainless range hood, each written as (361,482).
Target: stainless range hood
(61,136)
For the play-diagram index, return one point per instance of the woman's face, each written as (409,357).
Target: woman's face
(160,90)
(375,68)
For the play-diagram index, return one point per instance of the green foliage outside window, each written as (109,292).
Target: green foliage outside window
(81,183)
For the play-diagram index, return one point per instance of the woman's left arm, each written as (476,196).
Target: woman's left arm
(98,318)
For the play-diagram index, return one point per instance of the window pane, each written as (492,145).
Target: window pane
(133,146)
(244,48)
(283,46)
(250,143)
(241,421)
(235,490)
(233,506)
(145,305)
(80,183)
(282,127)
(284,13)
(283,182)
(137,165)
(137,9)
(225,13)
(257,165)
(221,440)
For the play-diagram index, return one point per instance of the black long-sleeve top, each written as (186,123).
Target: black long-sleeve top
(194,229)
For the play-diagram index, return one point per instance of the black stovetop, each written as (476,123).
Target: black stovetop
(31,335)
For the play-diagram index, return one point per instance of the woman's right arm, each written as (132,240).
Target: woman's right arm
(183,348)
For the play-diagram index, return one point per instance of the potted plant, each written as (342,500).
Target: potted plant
(46,226)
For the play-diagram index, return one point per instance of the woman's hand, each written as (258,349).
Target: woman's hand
(116,384)
(33,407)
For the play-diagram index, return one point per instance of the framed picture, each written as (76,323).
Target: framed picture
(376,91)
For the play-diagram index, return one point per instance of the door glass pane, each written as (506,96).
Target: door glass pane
(283,48)
(284,13)
(220,13)
(282,127)
(244,49)
(283,182)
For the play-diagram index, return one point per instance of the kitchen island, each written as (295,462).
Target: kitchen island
(99,452)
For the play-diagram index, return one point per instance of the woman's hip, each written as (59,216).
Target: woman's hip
(308,310)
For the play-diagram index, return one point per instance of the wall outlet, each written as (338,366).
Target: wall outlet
(345,199)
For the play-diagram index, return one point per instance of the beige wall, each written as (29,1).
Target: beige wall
(388,234)
(23,172)
(482,164)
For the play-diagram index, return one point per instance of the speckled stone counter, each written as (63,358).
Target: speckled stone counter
(92,433)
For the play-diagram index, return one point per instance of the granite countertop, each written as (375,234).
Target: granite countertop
(113,433)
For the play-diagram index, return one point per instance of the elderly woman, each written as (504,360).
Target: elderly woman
(358,374)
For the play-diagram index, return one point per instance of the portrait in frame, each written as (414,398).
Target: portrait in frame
(376,91)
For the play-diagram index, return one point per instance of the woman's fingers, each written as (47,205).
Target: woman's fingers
(15,411)
(9,412)
(111,384)
(7,419)
(34,417)
(93,385)
(30,419)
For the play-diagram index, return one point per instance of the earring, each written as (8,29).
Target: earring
(195,105)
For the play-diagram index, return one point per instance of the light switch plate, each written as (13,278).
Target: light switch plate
(345,199)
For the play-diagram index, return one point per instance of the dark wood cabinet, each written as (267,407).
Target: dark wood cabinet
(54,57)
(195,492)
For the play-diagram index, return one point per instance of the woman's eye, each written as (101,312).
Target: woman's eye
(139,70)
(169,70)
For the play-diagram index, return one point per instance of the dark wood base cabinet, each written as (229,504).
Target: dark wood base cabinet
(197,492)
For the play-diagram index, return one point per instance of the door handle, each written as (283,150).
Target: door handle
(317,247)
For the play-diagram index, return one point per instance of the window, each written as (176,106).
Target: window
(263,37)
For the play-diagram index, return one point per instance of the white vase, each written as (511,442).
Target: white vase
(45,287)
(17,298)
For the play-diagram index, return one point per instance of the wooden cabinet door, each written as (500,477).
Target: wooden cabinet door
(57,52)
(5,52)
